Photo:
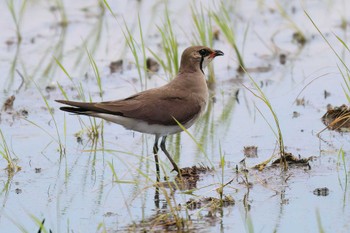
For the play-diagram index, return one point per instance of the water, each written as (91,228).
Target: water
(77,191)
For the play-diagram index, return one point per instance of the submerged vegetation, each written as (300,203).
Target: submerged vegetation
(92,176)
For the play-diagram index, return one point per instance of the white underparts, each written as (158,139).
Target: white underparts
(142,126)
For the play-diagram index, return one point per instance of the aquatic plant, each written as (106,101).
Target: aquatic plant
(298,35)
(345,74)
(134,48)
(92,130)
(204,34)
(57,139)
(342,161)
(169,46)
(5,152)
(17,16)
(62,11)
(277,130)
(223,20)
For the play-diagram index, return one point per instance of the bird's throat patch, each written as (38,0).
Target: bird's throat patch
(201,64)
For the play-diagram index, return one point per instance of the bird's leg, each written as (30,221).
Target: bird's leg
(156,197)
(155,152)
(162,146)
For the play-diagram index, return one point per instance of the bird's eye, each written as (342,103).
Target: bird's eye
(203,52)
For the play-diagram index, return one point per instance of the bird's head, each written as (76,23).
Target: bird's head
(198,57)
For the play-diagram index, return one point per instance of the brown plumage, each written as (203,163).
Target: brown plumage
(153,111)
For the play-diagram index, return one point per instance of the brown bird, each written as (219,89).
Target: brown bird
(156,111)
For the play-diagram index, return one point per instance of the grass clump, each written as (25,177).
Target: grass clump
(224,21)
(11,167)
(170,48)
(93,131)
(134,48)
(204,34)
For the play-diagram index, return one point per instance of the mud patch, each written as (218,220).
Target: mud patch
(337,118)
(210,202)
(187,179)
(289,158)
(293,160)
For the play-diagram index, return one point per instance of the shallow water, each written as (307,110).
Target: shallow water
(77,191)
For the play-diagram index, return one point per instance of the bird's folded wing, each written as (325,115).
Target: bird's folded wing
(160,110)
(153,109)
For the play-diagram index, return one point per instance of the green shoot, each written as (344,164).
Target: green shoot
(62,9)
(132,44)
(170,48)
(298,36)
(346,76)
(261,95)
(341,155)
(12,167)
(204,34)
(17,19)
(223,20)
(220,190)
(319,222)
(325,39)
(195,141)
(78,88)
(96,71)
(204,30)
(58,140)
(109,8)
(93,130)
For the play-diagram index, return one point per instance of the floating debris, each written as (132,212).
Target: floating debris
(326,94)
(283,58)
(299,38)
(8,104)
(116,66)
(289,158)
(152,65)
(23,112)
(250,151)
(300,102)
(210,202)
(50,87)
(321,191)
(216,34)
(296,114)
(18,191)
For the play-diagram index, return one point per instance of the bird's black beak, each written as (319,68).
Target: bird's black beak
(218,53)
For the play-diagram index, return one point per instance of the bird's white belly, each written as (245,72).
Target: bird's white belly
(142,126)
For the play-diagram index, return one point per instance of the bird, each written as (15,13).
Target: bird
(159,111)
